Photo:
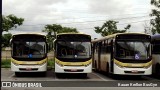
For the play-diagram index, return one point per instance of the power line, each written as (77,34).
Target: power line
(90,21)
(106,16)
(118,24)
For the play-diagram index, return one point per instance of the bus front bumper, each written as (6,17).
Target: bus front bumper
(29,68)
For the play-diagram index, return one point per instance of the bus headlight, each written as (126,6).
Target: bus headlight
(87,64)
(15,64)
(119,65)
(59,63)
(147,65)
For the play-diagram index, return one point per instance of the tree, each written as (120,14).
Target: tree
(67,30)
(52,29)
(6,39)
(11,21)
(110,27)
(155,13)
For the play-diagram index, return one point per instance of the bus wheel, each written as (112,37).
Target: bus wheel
(95,67)
(43,74)
(17,74)
(157,69)
(59,75)
(107,69)
(84,75)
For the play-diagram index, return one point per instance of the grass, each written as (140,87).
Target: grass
(6,63)
(50,64)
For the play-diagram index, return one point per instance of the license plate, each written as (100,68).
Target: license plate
(28,69)
(134,71)
(73,69)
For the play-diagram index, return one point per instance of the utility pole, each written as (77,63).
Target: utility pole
(0,32)
(0,29)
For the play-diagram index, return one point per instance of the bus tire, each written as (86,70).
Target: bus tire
(17,74)
(96,67)
(59,75)
(107,69)
(157,69)
(84,75)
(43,74)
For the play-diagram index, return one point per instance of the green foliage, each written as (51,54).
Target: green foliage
(50,63)
(67,29)
(110,27)
(52,29)
(11,21)
(5,63)
(6,40)
(155,13)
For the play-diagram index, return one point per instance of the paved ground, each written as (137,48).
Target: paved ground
(8,75)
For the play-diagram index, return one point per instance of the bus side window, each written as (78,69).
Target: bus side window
(109,46)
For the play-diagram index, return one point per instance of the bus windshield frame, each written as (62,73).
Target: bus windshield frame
(73,49)
(141,50)
(25,49)
(133,50)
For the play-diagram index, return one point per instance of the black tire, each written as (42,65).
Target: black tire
(43,74)
(17,74)
(157,69)
(107,69)
(84,75)
(95,67)
(59,75)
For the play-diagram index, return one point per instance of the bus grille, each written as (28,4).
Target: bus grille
(70,70)
(25,69)
(134,72)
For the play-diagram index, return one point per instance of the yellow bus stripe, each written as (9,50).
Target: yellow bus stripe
(132,64)
(73,63)
(29,62)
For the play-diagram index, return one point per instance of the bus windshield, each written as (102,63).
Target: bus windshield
(133,50)
(68,49)
(27,49)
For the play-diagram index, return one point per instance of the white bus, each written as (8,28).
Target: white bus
(29,53)
(73,53)
(123,54)
(156,54)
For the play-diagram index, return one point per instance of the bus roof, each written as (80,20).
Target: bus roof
(114,35)
(29,34)
(72,33)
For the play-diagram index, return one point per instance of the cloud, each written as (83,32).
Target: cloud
(109,6)
(37,13)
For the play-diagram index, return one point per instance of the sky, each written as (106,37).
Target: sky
(81,14)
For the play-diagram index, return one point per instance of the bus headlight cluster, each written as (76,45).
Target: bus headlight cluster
(118,65)
(87,64)
(15,63)
(147,65)
(58,62)
(41,63)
